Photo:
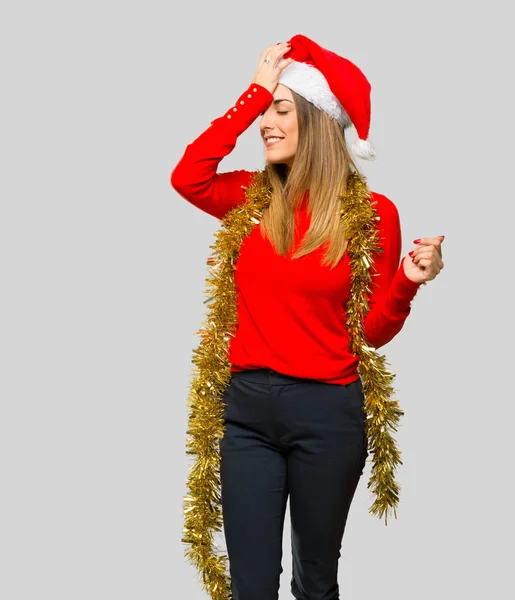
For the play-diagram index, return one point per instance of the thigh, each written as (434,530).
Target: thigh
(254,493)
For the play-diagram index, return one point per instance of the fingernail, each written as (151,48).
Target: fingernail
(411,253)
(417,241)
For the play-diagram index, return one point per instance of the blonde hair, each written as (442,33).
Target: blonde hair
(321,165)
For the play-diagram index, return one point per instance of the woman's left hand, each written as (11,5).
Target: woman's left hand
(425,262)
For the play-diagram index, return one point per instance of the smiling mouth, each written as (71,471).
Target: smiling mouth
(273,141)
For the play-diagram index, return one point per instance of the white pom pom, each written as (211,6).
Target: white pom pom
(363,149)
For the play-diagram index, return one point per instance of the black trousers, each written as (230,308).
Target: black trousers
(287,436)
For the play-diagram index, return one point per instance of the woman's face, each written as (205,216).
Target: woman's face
(280,121)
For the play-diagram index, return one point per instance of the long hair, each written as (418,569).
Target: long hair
(321,165)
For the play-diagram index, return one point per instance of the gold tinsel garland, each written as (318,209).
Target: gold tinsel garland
(202,505)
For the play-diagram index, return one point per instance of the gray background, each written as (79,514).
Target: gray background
(103,269)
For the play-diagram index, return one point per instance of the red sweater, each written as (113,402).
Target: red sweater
(291,313)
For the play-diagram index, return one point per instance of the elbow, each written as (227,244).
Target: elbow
(176,179)
(379,337)
(185,183)
(378,341)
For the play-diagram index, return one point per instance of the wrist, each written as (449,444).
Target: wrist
(262,86)
(407,279)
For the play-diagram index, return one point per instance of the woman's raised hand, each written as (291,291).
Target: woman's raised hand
(425,262)
(271,65)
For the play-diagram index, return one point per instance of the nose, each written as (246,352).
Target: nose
(266,122)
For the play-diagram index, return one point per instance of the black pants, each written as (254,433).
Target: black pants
(297,437)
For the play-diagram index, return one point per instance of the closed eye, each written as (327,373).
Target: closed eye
(279,112)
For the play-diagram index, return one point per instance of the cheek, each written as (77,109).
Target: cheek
(293,133)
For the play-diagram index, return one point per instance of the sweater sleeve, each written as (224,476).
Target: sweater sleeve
(195,177)
(391,291)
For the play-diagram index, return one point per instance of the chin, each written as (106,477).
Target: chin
(274,160)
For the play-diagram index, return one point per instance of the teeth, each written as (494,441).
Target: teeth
(273,139)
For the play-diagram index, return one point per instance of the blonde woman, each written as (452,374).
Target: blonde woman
(294,412)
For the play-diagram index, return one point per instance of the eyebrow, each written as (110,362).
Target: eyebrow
(281,100)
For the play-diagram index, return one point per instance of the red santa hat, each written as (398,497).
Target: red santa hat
(333,84)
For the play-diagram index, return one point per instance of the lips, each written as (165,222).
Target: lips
(273,141)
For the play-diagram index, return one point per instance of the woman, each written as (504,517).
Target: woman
(296,419)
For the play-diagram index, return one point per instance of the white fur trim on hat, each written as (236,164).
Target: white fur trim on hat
(310,83)
(363,149)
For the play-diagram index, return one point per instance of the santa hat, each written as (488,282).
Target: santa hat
(333,84)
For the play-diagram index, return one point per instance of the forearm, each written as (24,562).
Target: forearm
(195,176)
(389,313)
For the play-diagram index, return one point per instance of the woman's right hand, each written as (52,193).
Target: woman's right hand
(268,73)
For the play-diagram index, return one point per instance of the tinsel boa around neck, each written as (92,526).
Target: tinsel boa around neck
(202,505)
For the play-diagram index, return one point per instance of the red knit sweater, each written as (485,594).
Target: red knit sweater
(291,313)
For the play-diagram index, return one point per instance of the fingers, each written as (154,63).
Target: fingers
(275,52)
(439,238)
(278,60)
(431,266)
(271,64)
(275,49)
(284,62)
(435,242)
(427,258)
(429,269)
(426,252)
